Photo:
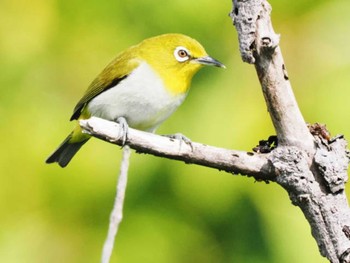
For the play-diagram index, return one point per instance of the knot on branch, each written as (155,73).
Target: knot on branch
(292,171)
(253,24)
(331,160)
(345,257)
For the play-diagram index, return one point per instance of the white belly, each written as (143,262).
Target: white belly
(140,98)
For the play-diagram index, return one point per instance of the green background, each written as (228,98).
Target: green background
(50,50)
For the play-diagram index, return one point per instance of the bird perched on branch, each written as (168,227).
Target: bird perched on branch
(140,88)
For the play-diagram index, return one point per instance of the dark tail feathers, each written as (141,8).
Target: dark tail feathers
(65,152)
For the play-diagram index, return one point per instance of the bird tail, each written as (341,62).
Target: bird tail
(65,152)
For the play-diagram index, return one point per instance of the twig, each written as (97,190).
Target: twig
(117,212)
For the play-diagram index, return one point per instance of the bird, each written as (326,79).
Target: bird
(140,88)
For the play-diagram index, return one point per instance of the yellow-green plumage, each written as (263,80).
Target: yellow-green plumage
(144,84)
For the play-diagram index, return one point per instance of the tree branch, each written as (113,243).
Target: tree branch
(312,170)
(259,46)
(231,161)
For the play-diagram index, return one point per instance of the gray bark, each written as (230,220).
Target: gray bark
(231,161)
(313,170)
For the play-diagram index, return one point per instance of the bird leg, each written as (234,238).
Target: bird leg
(124,129)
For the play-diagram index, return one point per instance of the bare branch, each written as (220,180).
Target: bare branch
(259,45)
(231,161)
(312,170)
(327,211)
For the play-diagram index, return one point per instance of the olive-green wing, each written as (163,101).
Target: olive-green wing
(113,74)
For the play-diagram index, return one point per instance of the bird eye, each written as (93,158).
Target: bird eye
(181,54)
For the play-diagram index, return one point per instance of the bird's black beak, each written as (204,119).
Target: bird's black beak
(209,61)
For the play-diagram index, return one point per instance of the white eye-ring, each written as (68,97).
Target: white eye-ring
(181,54)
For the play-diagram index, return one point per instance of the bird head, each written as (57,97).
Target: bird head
(176,58)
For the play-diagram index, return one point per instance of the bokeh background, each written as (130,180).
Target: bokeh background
(50,50)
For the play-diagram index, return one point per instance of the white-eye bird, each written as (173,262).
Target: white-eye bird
(143,85)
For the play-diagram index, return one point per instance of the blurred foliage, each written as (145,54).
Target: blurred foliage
(50,51)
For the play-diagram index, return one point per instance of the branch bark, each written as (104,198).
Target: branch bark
(259,45)
(231,161)
(312,170)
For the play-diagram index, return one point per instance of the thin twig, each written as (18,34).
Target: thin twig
(117,212)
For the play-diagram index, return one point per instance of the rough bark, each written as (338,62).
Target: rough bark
(313,170)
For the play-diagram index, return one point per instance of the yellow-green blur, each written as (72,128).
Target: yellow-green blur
(50,51)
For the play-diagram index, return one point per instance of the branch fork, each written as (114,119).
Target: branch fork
(312,169)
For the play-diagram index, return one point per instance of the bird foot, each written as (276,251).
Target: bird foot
(124,129)
(182,138)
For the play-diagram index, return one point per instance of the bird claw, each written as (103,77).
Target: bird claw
(124,129)
(182,138)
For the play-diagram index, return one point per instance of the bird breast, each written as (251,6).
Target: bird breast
(141,98)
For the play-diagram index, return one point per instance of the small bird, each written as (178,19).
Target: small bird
(140,88)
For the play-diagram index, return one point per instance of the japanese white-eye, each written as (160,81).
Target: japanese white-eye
(144,85)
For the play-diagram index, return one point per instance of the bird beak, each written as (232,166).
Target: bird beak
(209,61)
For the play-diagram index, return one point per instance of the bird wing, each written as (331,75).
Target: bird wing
(113,74)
